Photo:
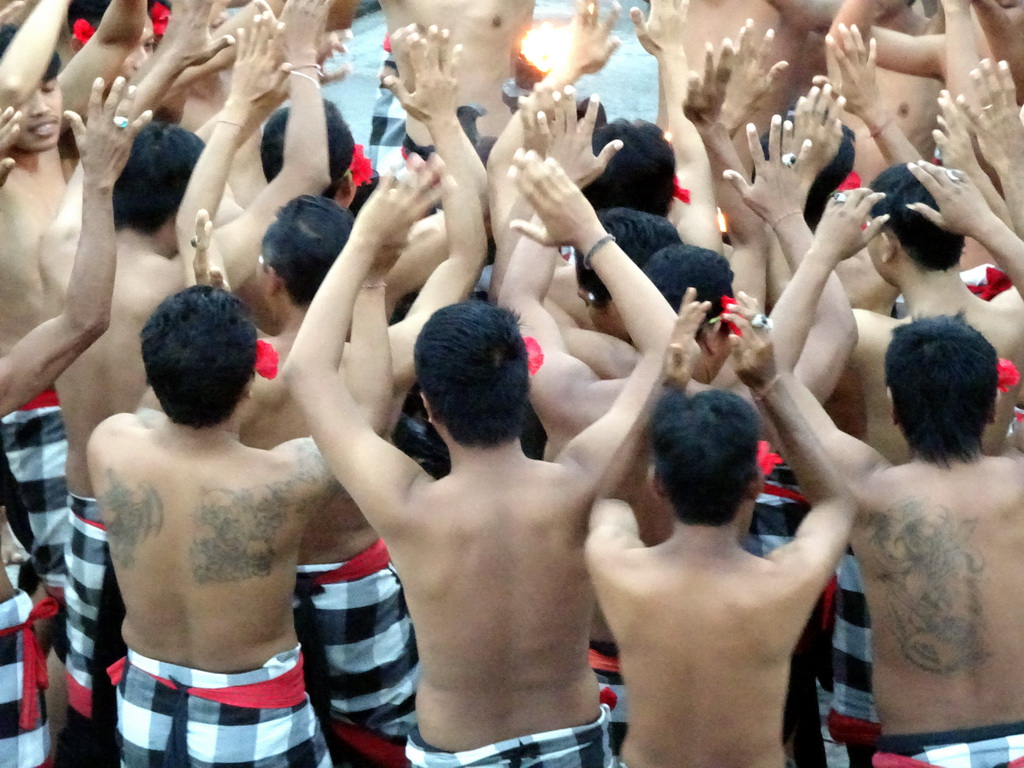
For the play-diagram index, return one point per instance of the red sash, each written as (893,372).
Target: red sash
(47,399)
(850,730)
(368,562)
(287,690)
(601,663)
(374,747)
(34,676)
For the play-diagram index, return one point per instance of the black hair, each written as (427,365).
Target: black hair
(152,185)
(641,176)
(943,376)
(640,235)
(705,453)
(471,367)
(7,33)
(678,267)
(92,10)
(930,247)
(199,350)
(340,145)
(303,242)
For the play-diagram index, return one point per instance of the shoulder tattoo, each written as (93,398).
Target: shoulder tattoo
(931,578)
(131,513)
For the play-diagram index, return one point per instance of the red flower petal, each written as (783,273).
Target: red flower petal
(852,181)
(361,168)
(161,17)
(266,359)
(83,31)
(609,697)
(680,193)
(1009,376)
(534,355)
(728,302)
(767,460)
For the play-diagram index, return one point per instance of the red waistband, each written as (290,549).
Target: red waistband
(33,663)
(368,562)
(850,730)
(601,663)
(47,399)
(771,489)
(378,750)
(287,690)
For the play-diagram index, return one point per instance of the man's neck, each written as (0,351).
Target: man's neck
(31,162)
(930,293)
(496,458)
(706,542)
(133,241)
(225,433)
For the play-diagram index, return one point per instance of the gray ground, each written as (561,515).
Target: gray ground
(628,86)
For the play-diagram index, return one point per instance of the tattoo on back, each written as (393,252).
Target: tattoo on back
(930,574)
(131,513)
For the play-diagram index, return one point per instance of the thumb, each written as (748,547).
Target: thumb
(6,166)
(610,150)
(738,182)
(77,127)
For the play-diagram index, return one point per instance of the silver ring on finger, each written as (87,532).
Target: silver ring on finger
(789,159)
(121,122)
(956,176)
(840,197)
(761,322)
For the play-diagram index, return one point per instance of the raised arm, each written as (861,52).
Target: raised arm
(367,367)
(961,47)
(306,169)
(1005,36)
(27,58)
(46,351)
(376,474)
(118,34)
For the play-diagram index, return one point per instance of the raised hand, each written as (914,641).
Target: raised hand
(106,143)
(683,350)
(997,121)
(429,86)
(753,353)
(664,29)
(305,27)
(705,97)
(259,71)
(781,183)
(962,207)
(566,216)
(572,139)
(855,63)
(10,127)
(846,227)
(205,274)
(592,42)
(816,119)
(191,43)
(954,140)
(753,77)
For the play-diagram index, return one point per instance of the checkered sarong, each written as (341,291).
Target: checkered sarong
(583,747)
(853,719)
(609,677)
(778,512)
(164,707)
(19,747)
(987,747)
(37,450)
(367,640)
(387,128)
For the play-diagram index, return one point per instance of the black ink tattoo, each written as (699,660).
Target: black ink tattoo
(131,514)
(930,576)
(244,523)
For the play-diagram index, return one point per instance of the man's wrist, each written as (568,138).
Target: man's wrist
(586,241)
(764,391)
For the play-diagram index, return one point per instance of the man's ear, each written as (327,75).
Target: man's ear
(426,406)
(890,246)
(892,407)
(275,283)
(346,192)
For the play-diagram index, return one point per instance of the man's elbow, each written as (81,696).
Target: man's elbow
(90,326)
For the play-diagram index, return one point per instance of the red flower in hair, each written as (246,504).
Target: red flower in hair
(266,359)
(679,192)
(767,460)
(161,16)
(83,31)
(852,181)
(728,302)
(1009,376)
(534,355)
(361,168)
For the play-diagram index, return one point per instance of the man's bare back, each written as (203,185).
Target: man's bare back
(489,32)
(204,534)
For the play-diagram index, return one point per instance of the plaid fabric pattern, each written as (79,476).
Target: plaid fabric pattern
(18,748)
(217,734)
(583,747)
(370,649)
(37,450)
(851,650)
(387,128)
(985,753)
(778,512)
(87,568)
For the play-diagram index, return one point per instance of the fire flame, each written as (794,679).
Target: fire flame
(723,225)
(546,46)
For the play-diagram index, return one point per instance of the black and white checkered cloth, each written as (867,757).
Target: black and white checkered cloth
(19,748)
(369,645)
(988,747)
(155,717)
(583,747)
(387,128)
(37,451)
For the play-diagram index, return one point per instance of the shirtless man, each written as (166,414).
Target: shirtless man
(491,555)
(938,540)
(717,698)
(213,528)
(31,366)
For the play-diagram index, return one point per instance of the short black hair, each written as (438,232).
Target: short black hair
(303,242)
(92,10)
(7,33)
(152,185)
(705,453)
(640,235)
(678,267)
(943,376)
(199,350)
(930,247)
(471,365)
(340,145)
(641,176)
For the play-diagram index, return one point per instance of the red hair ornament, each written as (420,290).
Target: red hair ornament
(267,359)
(1009,376)
(534,355)
(83,31)
(161,17)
